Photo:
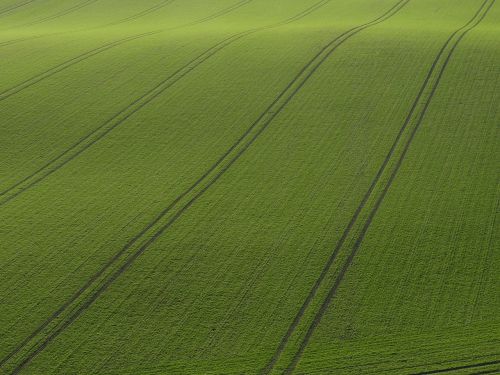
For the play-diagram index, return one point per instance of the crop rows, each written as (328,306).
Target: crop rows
(300,186)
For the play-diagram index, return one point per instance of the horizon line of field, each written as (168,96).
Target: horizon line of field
(321,56)
(152,223)
(476,19)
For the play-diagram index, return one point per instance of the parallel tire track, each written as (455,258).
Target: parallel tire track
(399,5)
(107,266)
(211,176)
(221,12)
(58,14)
(465,367)
(84,56)
(88,140)
(68,63)
(421,99)
(6,10)
(128,19)
(34,80)
(100,132)
(143,13)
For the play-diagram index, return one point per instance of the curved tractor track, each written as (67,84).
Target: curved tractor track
(100,132)
(385,177)
(137,16)
(7,10)
(121,261)
(57,15)
(143,13)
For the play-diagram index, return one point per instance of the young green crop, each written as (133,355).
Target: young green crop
(176,176)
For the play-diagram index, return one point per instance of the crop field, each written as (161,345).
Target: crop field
(249,187)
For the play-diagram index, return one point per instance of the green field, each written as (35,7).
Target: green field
(249,187)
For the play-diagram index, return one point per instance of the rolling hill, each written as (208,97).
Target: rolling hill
(249,187)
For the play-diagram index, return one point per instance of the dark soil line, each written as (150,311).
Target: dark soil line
(208,53)
(115,258)
(68,63)
(143,13)
(466,28)
(212,50)
(84,56)
(11,8)
(127,113)
(465,367)
(57,15)
(331,259)
(162,229)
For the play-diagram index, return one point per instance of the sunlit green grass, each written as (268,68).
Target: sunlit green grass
(216,290)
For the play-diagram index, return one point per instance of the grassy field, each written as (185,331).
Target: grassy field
(249,186)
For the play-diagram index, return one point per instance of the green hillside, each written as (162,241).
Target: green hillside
(249,187)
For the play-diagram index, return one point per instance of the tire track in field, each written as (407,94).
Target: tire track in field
(6,10)
(131,18)
(68,63)
(162,222)
(430,86)
(143,13)
(56,15)
(148,96)
(116,120)
(162,214)
(84,56)
(464,367)
(128,19)
(215,15)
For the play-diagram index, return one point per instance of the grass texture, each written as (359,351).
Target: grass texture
(249,186)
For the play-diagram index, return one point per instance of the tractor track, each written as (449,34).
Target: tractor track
(56,15)
(84,56)
(128,19)
(461,32)
(330,261)
(143,13)
(157,219)
(218,169)
(464,367)
(115,121)
(120,117)
(6,10)
(34,80)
